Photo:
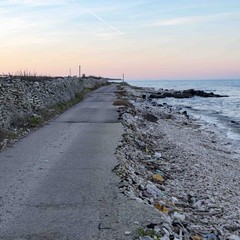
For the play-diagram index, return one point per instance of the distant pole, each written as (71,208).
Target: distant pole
(123,77)
(79,70)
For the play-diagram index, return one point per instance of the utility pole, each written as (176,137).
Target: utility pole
(79,71)
(123,77)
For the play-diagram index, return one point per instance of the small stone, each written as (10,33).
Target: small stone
(234,237)
(162,208)
(165,237)
(211,236)
(157,229)
(128,233)
(174,200)
(158,178)
(160,172)
(196,238)
(150,117)
(151,225)
(158,155)
(153,190)
(178,216)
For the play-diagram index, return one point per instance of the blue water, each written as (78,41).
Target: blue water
(224,113)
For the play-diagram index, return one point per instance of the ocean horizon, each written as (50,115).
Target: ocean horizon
(220,113)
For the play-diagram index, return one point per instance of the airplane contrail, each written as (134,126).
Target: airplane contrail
(103,21)
(99,18)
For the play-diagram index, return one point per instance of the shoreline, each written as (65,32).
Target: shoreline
(222,112)
(170,163)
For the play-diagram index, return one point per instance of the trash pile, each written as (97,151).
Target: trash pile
(189,176)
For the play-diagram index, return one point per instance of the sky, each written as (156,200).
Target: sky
(144,39)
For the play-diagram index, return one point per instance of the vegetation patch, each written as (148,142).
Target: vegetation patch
(34,121)
(122,102)
(22,125)
(121,93)
(62,106)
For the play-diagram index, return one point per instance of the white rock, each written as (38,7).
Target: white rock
(146,238)
(179,216)
(157,155)
(165,237)
(174,200)
(234,237)
(157,229)
(152,189)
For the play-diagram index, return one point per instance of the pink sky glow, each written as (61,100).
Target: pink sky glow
(143,39)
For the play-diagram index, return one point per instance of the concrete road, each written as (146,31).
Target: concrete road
(57,183)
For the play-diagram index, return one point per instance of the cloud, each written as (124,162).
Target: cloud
(35,3)
(194,19)
(35,16)
(175,21)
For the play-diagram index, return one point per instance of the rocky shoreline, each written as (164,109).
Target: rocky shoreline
(168,162)
(189,93)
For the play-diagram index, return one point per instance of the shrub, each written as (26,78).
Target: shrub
(34,121)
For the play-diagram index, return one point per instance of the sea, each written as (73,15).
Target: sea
(222,114)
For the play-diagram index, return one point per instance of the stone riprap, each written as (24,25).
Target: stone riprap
(21,99)
(189,93)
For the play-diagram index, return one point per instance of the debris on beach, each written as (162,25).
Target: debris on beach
(169,163)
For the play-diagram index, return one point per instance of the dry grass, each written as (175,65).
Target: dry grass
(121,93)
(122,102)
(26,75)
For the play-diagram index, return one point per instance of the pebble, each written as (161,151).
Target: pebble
(234,237)
(211,236)
(178,216)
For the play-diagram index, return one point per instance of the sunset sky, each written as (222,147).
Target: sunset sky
(145,39)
